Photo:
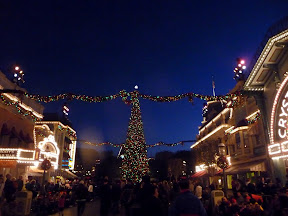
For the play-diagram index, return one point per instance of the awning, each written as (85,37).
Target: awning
(199,174)
(70,174)
(34,171)
(254,166)
(220,172)
(64,173)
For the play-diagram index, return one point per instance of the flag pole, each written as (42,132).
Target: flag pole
(213,86)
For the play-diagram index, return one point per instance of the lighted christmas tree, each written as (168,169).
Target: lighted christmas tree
(135,162)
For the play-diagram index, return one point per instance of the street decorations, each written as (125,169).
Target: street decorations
(222,162)
(135,162)
(46,164)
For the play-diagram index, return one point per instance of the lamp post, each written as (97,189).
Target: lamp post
(18,75)
(223,164)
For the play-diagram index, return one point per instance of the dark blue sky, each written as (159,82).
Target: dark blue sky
(102,47)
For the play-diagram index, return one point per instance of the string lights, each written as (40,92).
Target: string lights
(126,97)
(19,108)
(119,145)
(135,163)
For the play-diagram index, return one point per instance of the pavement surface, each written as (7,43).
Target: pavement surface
(92,209)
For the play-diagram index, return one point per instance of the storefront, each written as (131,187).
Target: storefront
(268,83)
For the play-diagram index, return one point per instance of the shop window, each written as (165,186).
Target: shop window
(238,140)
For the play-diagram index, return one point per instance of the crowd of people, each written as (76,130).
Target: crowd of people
(162,198)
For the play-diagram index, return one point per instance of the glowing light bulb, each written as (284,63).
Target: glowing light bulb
(242,62)
(21,72)
(239,65)
(16,68)
(15,75)
(244,67)
(136,87)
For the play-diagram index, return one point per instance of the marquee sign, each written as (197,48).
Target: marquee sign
(49,150)
(16,154)
(279,123)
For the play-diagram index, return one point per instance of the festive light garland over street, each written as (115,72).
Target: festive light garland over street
(119,145)
(125,97)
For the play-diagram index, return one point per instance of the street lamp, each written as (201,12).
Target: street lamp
(18,75)
(239,69)
(223,164)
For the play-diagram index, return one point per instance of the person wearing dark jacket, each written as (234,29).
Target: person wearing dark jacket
(105,197)
(153,206)
(9,189)
(81,197)
(186,203)
(115,195)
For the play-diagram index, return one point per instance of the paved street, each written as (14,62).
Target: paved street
(92,208)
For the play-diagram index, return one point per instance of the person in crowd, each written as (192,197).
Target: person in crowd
(33,188)
(126,196)
(224,206)
(164,191)
(153,206)
(91,191)
(105,198)
(174,192)
(20,183)
(115,195)
(15,183)
(186,202)
(1,193)
(250,186)
(198,191)
(260,185)
(61,205)
(234,185)
(1,187)
(81,194)
(9,189)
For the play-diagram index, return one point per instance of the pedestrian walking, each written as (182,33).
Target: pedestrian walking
(105,198)
(20,183)
(9,189)
(115,196)
(186,203)
(81,197)
(91,191)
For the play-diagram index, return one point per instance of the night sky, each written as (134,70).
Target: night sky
(98,48)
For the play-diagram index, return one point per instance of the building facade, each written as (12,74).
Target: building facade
(268,83)
(17,118)
(238,125)
(57,142)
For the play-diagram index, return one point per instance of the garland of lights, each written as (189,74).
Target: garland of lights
(255,119)
(85,98)
(125,97)
(19,108)
(69,131)
(46,164)
(222,162)
(147,146)
(117,145)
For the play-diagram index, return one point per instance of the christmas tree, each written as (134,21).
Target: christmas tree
(135,162)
